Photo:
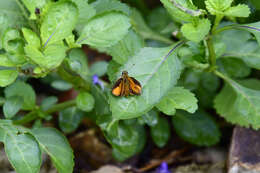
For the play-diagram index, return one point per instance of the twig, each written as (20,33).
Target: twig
(169,158)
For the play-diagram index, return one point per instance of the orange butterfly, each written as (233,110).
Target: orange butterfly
(126,86)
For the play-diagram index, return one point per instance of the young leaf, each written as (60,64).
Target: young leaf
(23,90)
(181,11)
(217,6)
(12,41)
(166,69)
(142,29)
(239,104)
(161,132)
(57,147)
(12,105)
(178,98)
(104,6)
(31,37)
(31,5)
(61,85)
(150,118)
(85,101)
(11,17)
(48,102)
(126,47)
(77,61)
(5,61)
(50,58)
(7,77)
(240,10)
(23,152)
(86,11)
(198,128)
(103,30)
(196,32)
(59,22)
(99,68)
(69,119)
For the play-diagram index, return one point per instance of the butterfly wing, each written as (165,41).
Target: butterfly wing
(135,86)
(117,88)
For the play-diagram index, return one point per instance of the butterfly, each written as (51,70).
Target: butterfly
(126,86)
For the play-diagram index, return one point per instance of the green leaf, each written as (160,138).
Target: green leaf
(155,83)
(31,37)
(150,118)
(198,128)
(7,128)
(59,22)
(99,68)
(181,11)
(178,98)
(23,152)
(196,32)
(254,28)
(12,105)
(57,147)
(142,29)
(61,85)
(233,67)
(104,6)
(50,58)
(31,5)
(78,62)
(112,69)
(11,17)
(240,10)
(126,48)
(48,102)
(101,101)
(161,132)
(5,61)
(85,101)
(103,30)
(239,104)
(86,11)
(69,119)
(126,139)
(7,77)
(217,6)
(23,90)
(12,41)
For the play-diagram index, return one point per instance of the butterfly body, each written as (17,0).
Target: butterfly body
(126,86)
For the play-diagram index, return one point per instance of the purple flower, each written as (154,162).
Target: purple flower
(163,168)
(96,81)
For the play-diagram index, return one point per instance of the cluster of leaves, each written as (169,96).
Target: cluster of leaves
(43,39)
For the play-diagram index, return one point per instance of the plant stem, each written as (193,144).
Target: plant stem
(217,21)
(61,106)
(212,54)
(223,29)
(33,114)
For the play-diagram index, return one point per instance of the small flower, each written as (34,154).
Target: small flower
(163,168)
(96,81)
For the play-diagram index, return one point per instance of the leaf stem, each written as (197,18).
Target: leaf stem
(33,114)
(216,23)
(212,54)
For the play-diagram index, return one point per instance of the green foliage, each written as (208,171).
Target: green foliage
(85,101)
(51,40)
(140,69)
(69,119)
(239,104)
(178,98)
(196,32)
(161,132)
(198,128)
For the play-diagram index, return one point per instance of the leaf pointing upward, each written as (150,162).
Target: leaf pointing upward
(157,69)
